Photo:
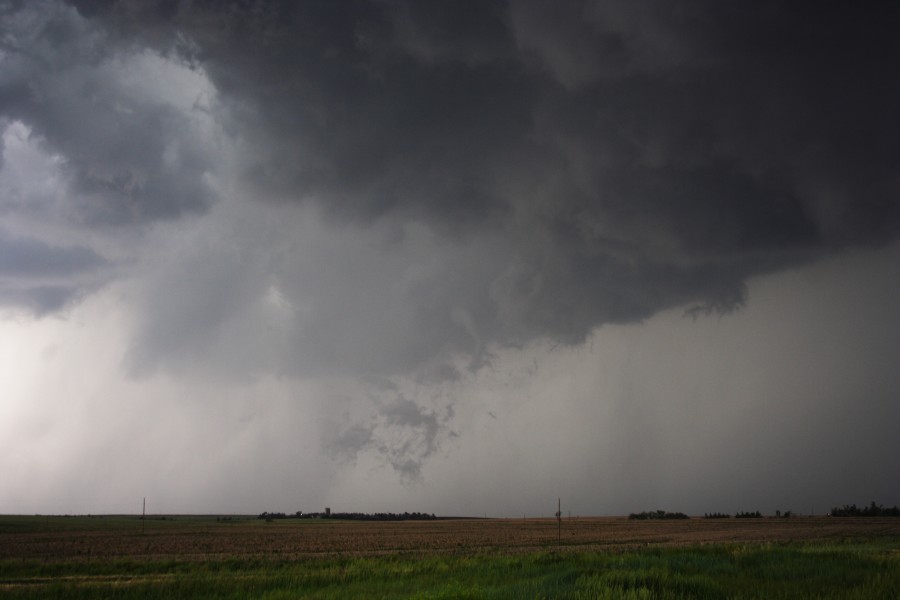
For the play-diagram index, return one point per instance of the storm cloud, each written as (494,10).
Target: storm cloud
(395,198)
(630,159)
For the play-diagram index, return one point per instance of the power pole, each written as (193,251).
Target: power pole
(558,521)
(144,515)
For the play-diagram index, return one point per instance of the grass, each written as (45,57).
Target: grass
(200,557)
(56,523)
(818,570)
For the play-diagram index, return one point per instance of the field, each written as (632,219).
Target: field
(207,557)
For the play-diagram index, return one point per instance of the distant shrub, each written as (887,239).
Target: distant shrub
(269,517)
(716,515)
(406,516)
(657,514)
(748,515)
(873,510)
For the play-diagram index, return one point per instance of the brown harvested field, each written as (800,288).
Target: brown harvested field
(187,538)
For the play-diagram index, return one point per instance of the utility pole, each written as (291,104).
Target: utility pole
(144,515)
(558,521)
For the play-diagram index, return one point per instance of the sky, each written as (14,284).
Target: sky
(454,257)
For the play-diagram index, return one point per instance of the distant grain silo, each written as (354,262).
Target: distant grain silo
(327,512)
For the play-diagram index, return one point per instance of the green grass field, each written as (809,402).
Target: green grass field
(864,568)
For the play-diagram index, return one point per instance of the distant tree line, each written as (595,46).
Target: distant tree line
(657,514)
(747,515)
(873,510)
(350,516)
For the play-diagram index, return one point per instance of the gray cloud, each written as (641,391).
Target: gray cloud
(39,299)
(44,278)
(23,257)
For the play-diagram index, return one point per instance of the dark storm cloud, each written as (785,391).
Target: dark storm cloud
(100,140)
(362,226)
(371,108)
(621,158)
(129,157)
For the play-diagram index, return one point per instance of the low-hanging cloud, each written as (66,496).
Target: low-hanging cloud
(45,278)
(402,434)
(28,257)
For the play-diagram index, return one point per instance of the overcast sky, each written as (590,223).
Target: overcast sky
(459,257)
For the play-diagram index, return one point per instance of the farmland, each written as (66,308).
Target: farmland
(192,556)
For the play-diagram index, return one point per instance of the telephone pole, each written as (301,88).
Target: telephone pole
(558,522)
